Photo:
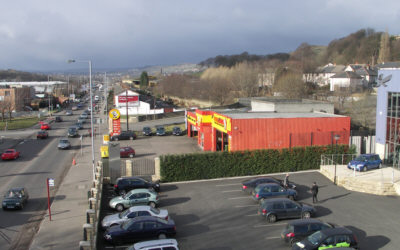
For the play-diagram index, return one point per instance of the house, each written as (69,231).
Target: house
(368,73)
(15,98)
(346,79)
(322,75)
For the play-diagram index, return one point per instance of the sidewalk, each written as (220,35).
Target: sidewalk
(68,214)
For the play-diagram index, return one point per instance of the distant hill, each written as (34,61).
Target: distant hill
(14,75)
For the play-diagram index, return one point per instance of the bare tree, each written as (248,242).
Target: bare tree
(3,110)
(245,79)
(384,49)
(219,90)
(290,85)
(8,107)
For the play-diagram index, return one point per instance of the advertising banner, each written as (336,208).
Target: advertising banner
(133,100)
(221,123)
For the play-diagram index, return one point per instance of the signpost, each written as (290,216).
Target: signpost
(116,121)
(50,183)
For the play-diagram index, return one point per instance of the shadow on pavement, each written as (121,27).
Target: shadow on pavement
(167,188)
(322,211)
(173,201)
(369,242)
(334,197)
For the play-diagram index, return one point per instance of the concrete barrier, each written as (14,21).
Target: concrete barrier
(157,172)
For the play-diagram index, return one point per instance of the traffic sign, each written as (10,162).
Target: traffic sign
(51,182)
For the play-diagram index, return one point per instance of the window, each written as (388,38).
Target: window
(315,227)
(329,241)
(342,238)
(132,215)
(278,205)
(290,205)
(274,189)
(141,195)
(301,229)
(7,93)
(143,213)
(150,225)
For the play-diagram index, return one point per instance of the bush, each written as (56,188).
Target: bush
(211,165)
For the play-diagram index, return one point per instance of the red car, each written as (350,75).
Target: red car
(44,126)
(42,134)
(10,154)
(126,152)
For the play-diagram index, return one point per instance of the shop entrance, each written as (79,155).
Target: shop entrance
(193,131)
(222,141)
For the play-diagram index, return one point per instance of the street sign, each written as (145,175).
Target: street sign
(51,182)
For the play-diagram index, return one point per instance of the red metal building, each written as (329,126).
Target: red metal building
(236,131)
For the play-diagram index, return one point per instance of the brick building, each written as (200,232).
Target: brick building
(18,97)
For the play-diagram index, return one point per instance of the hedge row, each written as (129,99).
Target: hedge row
(211,165)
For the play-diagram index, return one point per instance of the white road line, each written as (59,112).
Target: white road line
(269,225)
(225,185)
(240,206)
(230,191)
(251,215)
(236,198)
(272,238)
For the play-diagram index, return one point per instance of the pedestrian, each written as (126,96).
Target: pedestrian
(286,181)
(314,191)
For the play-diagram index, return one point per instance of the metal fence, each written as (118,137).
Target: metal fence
(140,167)
(339,159)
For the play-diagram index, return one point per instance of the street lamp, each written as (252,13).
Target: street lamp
(91,108)
(336,137)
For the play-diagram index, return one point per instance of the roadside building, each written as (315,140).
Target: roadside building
(15,98)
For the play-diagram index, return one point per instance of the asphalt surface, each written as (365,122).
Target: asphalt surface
(40,159)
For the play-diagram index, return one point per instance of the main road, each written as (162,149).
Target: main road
(40,159)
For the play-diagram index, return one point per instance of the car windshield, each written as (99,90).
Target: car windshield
(12,194)
(155,210)
(360,158)
(258,188)
(316,238)
(9,151)
(63,141)
(124,213)
(71,130)
(146,129)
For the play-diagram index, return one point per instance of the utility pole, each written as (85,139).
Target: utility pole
(127,115)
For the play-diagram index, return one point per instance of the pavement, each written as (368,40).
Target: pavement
(68,214)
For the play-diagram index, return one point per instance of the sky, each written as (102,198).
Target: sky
(41,35)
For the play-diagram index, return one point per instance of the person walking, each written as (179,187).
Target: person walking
(286,181)
(314,191)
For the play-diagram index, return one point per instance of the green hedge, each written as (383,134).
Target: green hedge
(211,165)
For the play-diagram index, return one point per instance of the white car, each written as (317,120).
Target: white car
(132,212)
(163,244)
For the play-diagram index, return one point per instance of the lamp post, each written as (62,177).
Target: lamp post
(91,108)
(336,137)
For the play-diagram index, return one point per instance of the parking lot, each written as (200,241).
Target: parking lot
(216,214)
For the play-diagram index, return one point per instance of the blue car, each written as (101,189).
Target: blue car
(365,162)
(272,190)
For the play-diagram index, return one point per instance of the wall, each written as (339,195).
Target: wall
(291,107)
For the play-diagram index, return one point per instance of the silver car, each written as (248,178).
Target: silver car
(132,212)
(64,144)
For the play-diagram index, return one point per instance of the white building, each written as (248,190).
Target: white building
(135,105)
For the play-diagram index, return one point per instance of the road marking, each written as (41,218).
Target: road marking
(230,191)
(272,238)
(225,185)
(251,215)
(240,206)
(269,225)
(22,142)
(236,198)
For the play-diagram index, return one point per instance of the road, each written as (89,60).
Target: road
(40,159)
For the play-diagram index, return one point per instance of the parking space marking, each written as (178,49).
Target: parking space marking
(269,225)
(250,215)
(272,238)
(226,185)
(240,206)
(231,191)
(117,247)
(236,198)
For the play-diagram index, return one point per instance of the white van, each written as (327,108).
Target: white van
(96,98)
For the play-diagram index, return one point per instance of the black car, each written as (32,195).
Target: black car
(15,198)
(177,131)
(126,184)
(147,131)
(58,119)
(140,228)
(73,132)
(125,135)
(297,230)
(283,208)
(160,130)
(328,238)
(251,184)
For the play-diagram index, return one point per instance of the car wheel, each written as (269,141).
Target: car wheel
(119,207)
(306,215)
(271,218)
(365,169)
(131,138)
(131,155)
(293,241)
(122,192)
(162,236)
(152,204)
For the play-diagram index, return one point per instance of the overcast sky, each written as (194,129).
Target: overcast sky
(42,35)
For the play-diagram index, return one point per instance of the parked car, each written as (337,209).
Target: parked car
(160,130)
(80,105)
(72,132)
(133,212)
(126,184)
(328,238)
(126,152)
(251,184)
(74,108)
(10,154)
(42,134)
(140,228)
(58,119)
(176,131)
(147,131)
(81,120)
(64,144)
(164,244)
(68,112)
(83,115)
(44,126)
(78,125)
(365,162)
(283,208)
(125,135)
(15,198)
(297,230)
(272,190)
(135,197)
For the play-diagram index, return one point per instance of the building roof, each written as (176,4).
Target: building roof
(273,115)
(331,69)
(388,65)
(347,74)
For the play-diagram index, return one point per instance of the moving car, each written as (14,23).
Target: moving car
(68,112)
(126,184)
(44,126)
(176,131)
(147,131)
(251,184)
(139,228)
(272,190)
(81,120)
(365,162)
(133,212)
(160,130)
(74,108)
(58,119)
(15,198)
(135,197)
(164,244)
(10,154)
(83,116)
(78,125)
(328,238)
(42,134)
(297,230)
(126,152)
(125,135)
(64,144)
(72,132)
(283,208)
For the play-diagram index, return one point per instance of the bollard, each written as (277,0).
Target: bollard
(90,213)
(106,180)
(84,245)
(94,192)
(87,232)
(92,203)
(128,167)
(157,172)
